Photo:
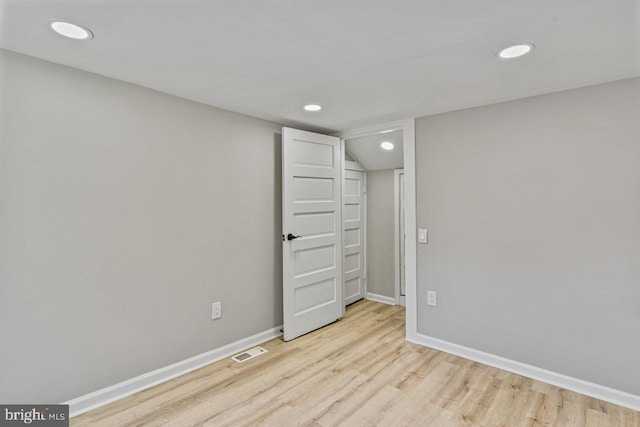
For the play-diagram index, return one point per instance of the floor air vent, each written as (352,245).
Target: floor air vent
(249,354)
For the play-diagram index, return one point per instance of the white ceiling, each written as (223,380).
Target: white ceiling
(368,152)
(365,61)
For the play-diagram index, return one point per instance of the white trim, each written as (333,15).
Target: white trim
(381,298)
(598,391)
(343,186)
(409,148)
(396,235)
(93,400)
(410,262)
(365,235)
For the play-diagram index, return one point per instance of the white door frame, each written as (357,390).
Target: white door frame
(355,166)
(409,148)
(397,235)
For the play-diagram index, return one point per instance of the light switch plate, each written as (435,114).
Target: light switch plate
(431,298)
(216,310)
(422,235)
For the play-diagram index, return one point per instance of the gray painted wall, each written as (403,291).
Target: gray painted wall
(380,237)
(533,211)
(124,213)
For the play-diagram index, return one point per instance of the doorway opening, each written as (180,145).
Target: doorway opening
(407,127)
(313,187)
(373,259)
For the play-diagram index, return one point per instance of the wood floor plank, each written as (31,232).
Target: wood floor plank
(358,371)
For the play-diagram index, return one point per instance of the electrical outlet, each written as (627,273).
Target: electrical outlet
(431,298)
(216,310)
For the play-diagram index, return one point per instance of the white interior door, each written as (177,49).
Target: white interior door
(354,233)
(312,227)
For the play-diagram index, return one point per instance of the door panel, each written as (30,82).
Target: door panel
(311,153)
(311,210)
(352,212)
(352,262)
(313,260)
(307,189)
(314,295)
(353,231)
(352,237)
(314,224)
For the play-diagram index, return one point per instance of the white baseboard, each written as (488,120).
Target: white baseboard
(381,298)
(126,388)
(601,392)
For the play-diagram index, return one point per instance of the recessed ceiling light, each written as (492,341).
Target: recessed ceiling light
(70,30)
(313,107)
(386,145)
(516,51)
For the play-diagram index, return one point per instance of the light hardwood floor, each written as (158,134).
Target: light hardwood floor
(358,371)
